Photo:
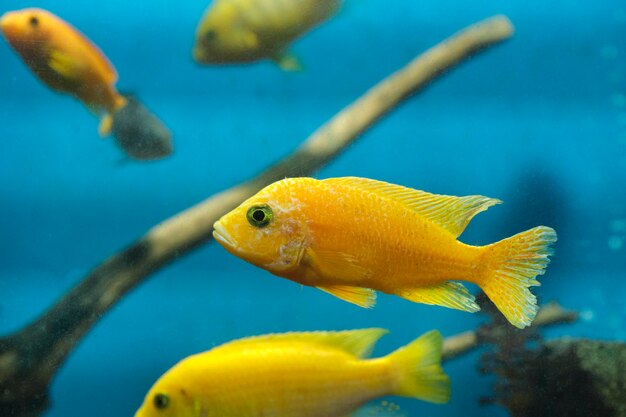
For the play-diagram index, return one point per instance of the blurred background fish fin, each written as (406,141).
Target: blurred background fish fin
(516,262)
(363,297)
(449,294)
(418,369)
(328,8)
(287,61)
(106,124)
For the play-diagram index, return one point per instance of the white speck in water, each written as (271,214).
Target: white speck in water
(615,243)
(609,52)
(618,100)
(587,315)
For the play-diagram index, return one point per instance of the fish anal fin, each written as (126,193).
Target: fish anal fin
(448,294)
(363,297)
(356,342)
(106,124)
(450,212)
(287,61)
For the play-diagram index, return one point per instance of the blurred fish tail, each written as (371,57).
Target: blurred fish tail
(139,132)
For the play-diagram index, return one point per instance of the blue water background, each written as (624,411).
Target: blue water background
(539,122)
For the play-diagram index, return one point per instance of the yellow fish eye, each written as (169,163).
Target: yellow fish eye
(161,401)
(260,216)
(34,21)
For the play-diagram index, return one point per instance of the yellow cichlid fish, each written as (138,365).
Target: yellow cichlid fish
(311,374)
(235,31)
(352,236)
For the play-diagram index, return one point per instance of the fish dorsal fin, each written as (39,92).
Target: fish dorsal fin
(450,212)
(355,342)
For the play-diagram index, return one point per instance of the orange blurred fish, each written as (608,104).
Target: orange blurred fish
(309,374)
(65,60)
(352,236)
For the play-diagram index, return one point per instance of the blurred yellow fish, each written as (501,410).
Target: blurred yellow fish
(311,374)
(352,236)
(65,60)
(234,31)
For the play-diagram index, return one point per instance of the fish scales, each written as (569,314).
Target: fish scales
(402,247)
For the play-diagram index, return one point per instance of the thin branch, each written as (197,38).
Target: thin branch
(30,358)
(465,342)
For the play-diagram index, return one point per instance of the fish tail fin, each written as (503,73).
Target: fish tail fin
(140,133)
(418,372)
(514,263)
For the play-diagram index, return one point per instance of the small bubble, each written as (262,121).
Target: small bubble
(615,243)
(609,52)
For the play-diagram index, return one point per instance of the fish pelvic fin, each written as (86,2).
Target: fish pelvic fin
(417,370)
(287,61)
(514,264)
(448,294)
(363,297)
(106,124)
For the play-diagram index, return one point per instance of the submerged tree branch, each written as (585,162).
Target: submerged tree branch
(462,343)
(30,358)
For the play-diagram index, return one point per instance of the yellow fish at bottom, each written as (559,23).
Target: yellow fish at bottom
(310,374)
(351,236)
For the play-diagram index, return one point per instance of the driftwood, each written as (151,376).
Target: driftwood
(30,358)
(459,344)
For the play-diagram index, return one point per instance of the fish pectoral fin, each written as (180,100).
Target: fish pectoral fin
(339,265)
(250,39)
(363,297)
(449,294)
(106,124)
(64,65)
(288,61)
(450,212)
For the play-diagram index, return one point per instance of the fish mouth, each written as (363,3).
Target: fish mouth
(5,23)
(222,236)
